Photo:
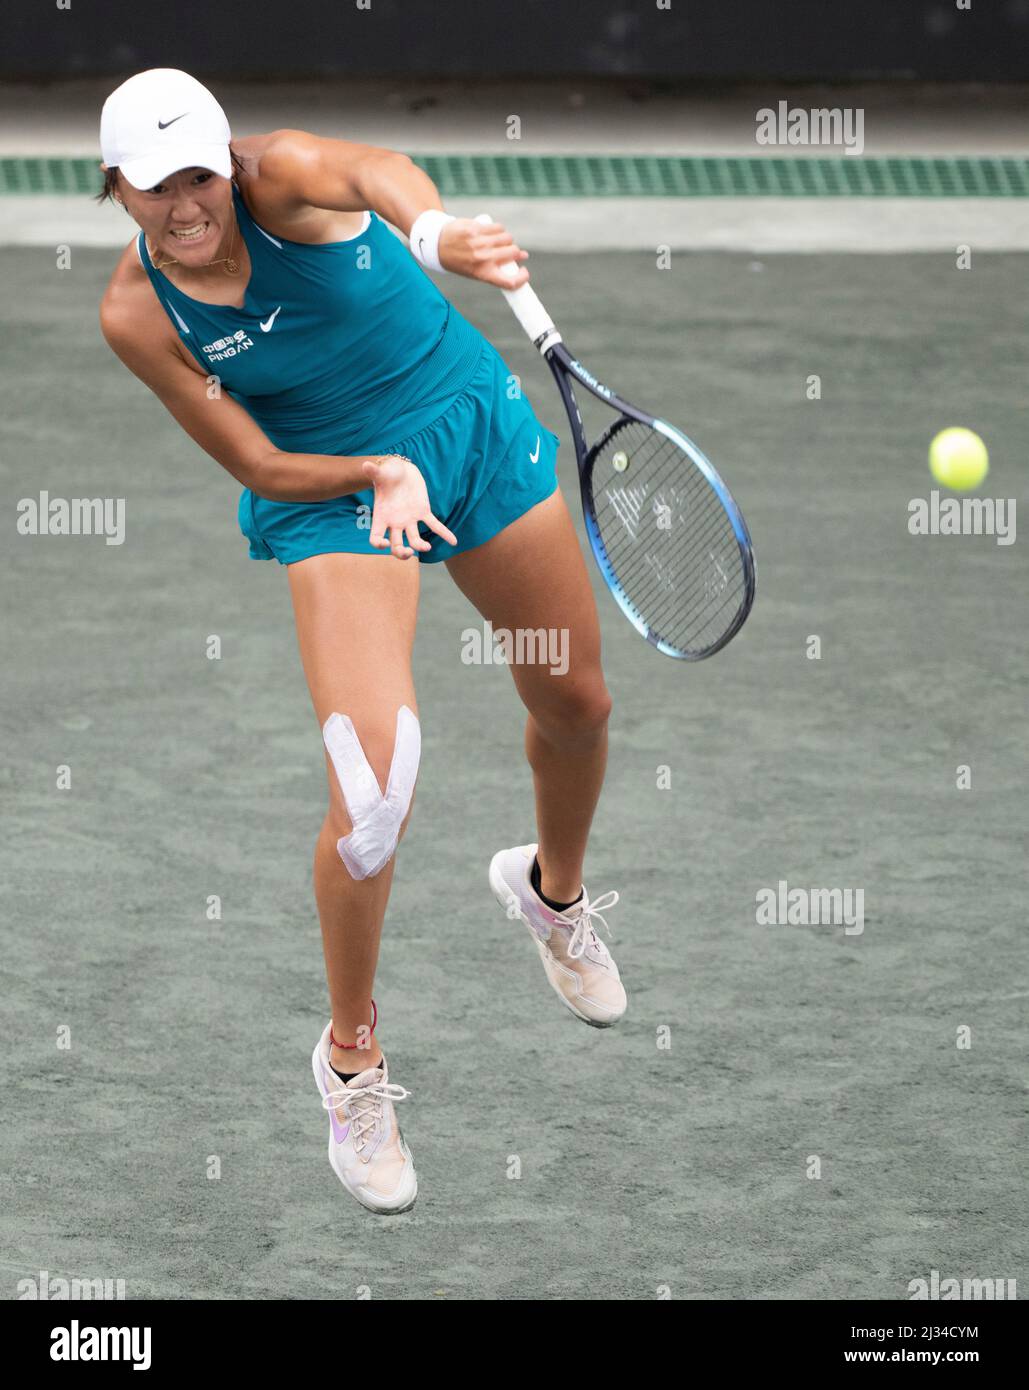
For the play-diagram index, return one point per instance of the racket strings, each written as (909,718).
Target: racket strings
(687,614)
(668,538)
(690,619)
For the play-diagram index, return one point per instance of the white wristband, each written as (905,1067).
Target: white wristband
(425,234)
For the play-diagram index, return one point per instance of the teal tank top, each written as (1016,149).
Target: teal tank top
(343,348)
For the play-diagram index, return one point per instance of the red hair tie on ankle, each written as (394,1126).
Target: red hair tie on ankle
(351,1047)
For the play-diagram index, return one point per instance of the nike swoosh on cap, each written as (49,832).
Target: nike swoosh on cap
(163,125)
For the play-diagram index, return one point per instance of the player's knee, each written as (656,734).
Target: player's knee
(338,824)
(376,769)
(595,708)
(579,716)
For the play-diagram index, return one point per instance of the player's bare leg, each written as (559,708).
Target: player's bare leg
(533,575)
(355,621)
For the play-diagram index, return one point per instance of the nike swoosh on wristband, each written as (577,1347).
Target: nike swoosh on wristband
(534,458)
(163,125)
(266,327)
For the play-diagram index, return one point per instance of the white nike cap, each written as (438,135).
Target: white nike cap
(161,121)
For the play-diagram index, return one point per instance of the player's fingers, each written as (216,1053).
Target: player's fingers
(440,529)
(414,540)
(397,546)
(508,276)
(505,250)
(509,252)
(496,247)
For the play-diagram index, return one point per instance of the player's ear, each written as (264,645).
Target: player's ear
(114,191)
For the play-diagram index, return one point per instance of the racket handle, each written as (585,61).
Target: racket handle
(526,305)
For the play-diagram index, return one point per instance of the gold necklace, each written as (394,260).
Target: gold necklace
(229,261)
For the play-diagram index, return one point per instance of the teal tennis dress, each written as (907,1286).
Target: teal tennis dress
(349,348)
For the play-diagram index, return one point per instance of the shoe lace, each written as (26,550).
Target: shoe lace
(584,933)
(362,1106)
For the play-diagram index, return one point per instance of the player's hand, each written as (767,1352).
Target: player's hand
(478,250)
(401,502)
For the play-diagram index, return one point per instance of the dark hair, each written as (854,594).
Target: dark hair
(107,193)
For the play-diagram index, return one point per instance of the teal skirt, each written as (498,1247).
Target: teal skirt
(486,461)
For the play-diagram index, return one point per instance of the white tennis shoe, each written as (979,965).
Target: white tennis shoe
(366,1149)
(577,963)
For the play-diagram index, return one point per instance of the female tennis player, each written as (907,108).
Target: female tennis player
(266,302)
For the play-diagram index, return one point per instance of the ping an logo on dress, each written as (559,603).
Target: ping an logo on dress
(231,346)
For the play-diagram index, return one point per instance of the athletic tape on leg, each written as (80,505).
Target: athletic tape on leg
(376,819)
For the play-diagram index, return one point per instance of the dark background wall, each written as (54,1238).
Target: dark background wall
(698,39)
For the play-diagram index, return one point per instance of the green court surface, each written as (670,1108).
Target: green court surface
(642,1166)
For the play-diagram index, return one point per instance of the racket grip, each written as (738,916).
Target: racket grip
(526,305)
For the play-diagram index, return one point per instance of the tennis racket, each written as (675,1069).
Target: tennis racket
(665,530)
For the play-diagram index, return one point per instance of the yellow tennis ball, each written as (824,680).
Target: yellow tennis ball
(958,459)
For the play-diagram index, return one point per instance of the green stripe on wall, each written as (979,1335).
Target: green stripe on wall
(638,176)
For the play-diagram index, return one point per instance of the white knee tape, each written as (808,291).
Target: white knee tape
(376,819)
